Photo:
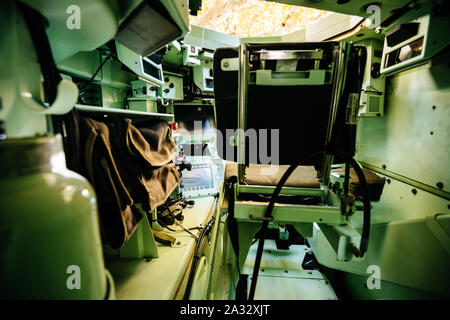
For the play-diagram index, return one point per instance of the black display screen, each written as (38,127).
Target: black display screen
(151,70)
(190,117)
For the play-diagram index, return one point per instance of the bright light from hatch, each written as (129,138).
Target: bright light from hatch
(254,18)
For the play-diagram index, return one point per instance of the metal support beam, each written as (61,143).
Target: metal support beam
(288,213)
(339,73)
(242,109)
(308,192)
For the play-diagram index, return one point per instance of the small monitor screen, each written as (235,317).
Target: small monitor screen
(148,28)
(188,115)
(198,177)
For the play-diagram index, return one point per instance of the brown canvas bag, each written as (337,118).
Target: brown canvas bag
(126,169)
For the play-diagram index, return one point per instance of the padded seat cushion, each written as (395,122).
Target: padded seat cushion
(267,175)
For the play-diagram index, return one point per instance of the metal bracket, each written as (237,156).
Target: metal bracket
(347,204)
(343,239)
(283,232)
(229,64)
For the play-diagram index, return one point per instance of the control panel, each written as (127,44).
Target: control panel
(207,170)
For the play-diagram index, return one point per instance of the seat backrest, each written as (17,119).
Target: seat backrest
(291,88)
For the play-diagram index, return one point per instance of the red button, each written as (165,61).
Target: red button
(174,125)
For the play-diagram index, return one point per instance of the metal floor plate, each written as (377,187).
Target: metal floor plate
(281,276)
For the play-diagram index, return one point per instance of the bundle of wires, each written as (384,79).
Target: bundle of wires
(208,227)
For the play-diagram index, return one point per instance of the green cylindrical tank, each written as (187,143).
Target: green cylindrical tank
(50,246)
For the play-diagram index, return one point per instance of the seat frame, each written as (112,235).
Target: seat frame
(339,72)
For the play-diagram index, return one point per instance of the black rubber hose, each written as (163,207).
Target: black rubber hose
(366,204)
(36,22)
(268,214)
(366,221)
(187,292)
